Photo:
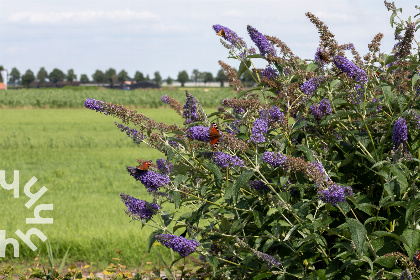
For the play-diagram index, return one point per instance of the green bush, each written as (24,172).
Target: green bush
(314,174)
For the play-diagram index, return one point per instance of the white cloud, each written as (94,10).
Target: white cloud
(82,16)
(232,13)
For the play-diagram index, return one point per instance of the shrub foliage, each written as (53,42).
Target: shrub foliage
(312,174)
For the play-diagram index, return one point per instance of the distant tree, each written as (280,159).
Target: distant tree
(169,81)
(71,76)
(14,76)
(221,77)
(195,75)
(138,77)
(99,76)
(123,76)
(147,78)
(182,77)
(111,76)
(208,77)
(247,79)
(56,75)
(28,78)
(1,78)
(158,78)
(84,78)
(42,75)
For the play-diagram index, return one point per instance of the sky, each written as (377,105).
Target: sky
(170,36)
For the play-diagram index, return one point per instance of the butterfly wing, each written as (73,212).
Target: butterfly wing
(144,166)
(214,135)
(221,33)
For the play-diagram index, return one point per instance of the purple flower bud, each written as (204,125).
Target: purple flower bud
(335,194)
(258,185)
(325,107)
(275,114)
(258,130)
(406,275)
(230,35)
(274,159)
(316,111)
(164,166)
(131,132)
(165,99)
(265,46)
(150,179)
(399,133)
(226,160)
(190,109)
(93,104)
(200,133)
(179,244)
(311,85)
(270,73)
(139,208)
(348,67)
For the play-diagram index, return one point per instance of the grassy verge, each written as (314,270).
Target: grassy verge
(75,97)
(80,157)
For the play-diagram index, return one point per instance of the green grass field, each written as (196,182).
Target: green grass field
(75,97)
(80,156)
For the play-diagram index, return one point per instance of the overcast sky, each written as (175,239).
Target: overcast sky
(170,36)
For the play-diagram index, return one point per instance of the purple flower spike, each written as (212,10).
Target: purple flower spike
(316,111)
(164,166)
(270,73)
(311,85)
(275,114)
(131,132)
(406,275)
(269,260)
(335,194)
(348,67)
(258,130)
(150,179)
(230,35)
(165,99)
(179,244)
(200,133)
(190,109)
(275,159)
(93,104)
(226,160)
(139,208)
(325,107)
(265,47)
(258,185)
(400,133)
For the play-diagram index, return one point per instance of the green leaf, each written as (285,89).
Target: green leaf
(262,276)
(214,262)
(244,66)
(389,96)
(401,178)
(152,239)
(373,219)
(257,218)
(311,67)
(413,205)
(333,83)
(414,80)
(176,197)
(413,240)
(240,182)
(388,261)
(308,152)
(216,172)
(358,234)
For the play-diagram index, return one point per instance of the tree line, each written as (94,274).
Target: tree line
(109,76)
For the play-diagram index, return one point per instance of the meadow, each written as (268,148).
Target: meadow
(80,156)
(74,97)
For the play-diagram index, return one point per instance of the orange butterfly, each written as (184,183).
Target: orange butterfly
(214,135)
(221,33)
(144,166)
(417,256)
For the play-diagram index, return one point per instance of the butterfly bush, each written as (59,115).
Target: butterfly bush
(316,177)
